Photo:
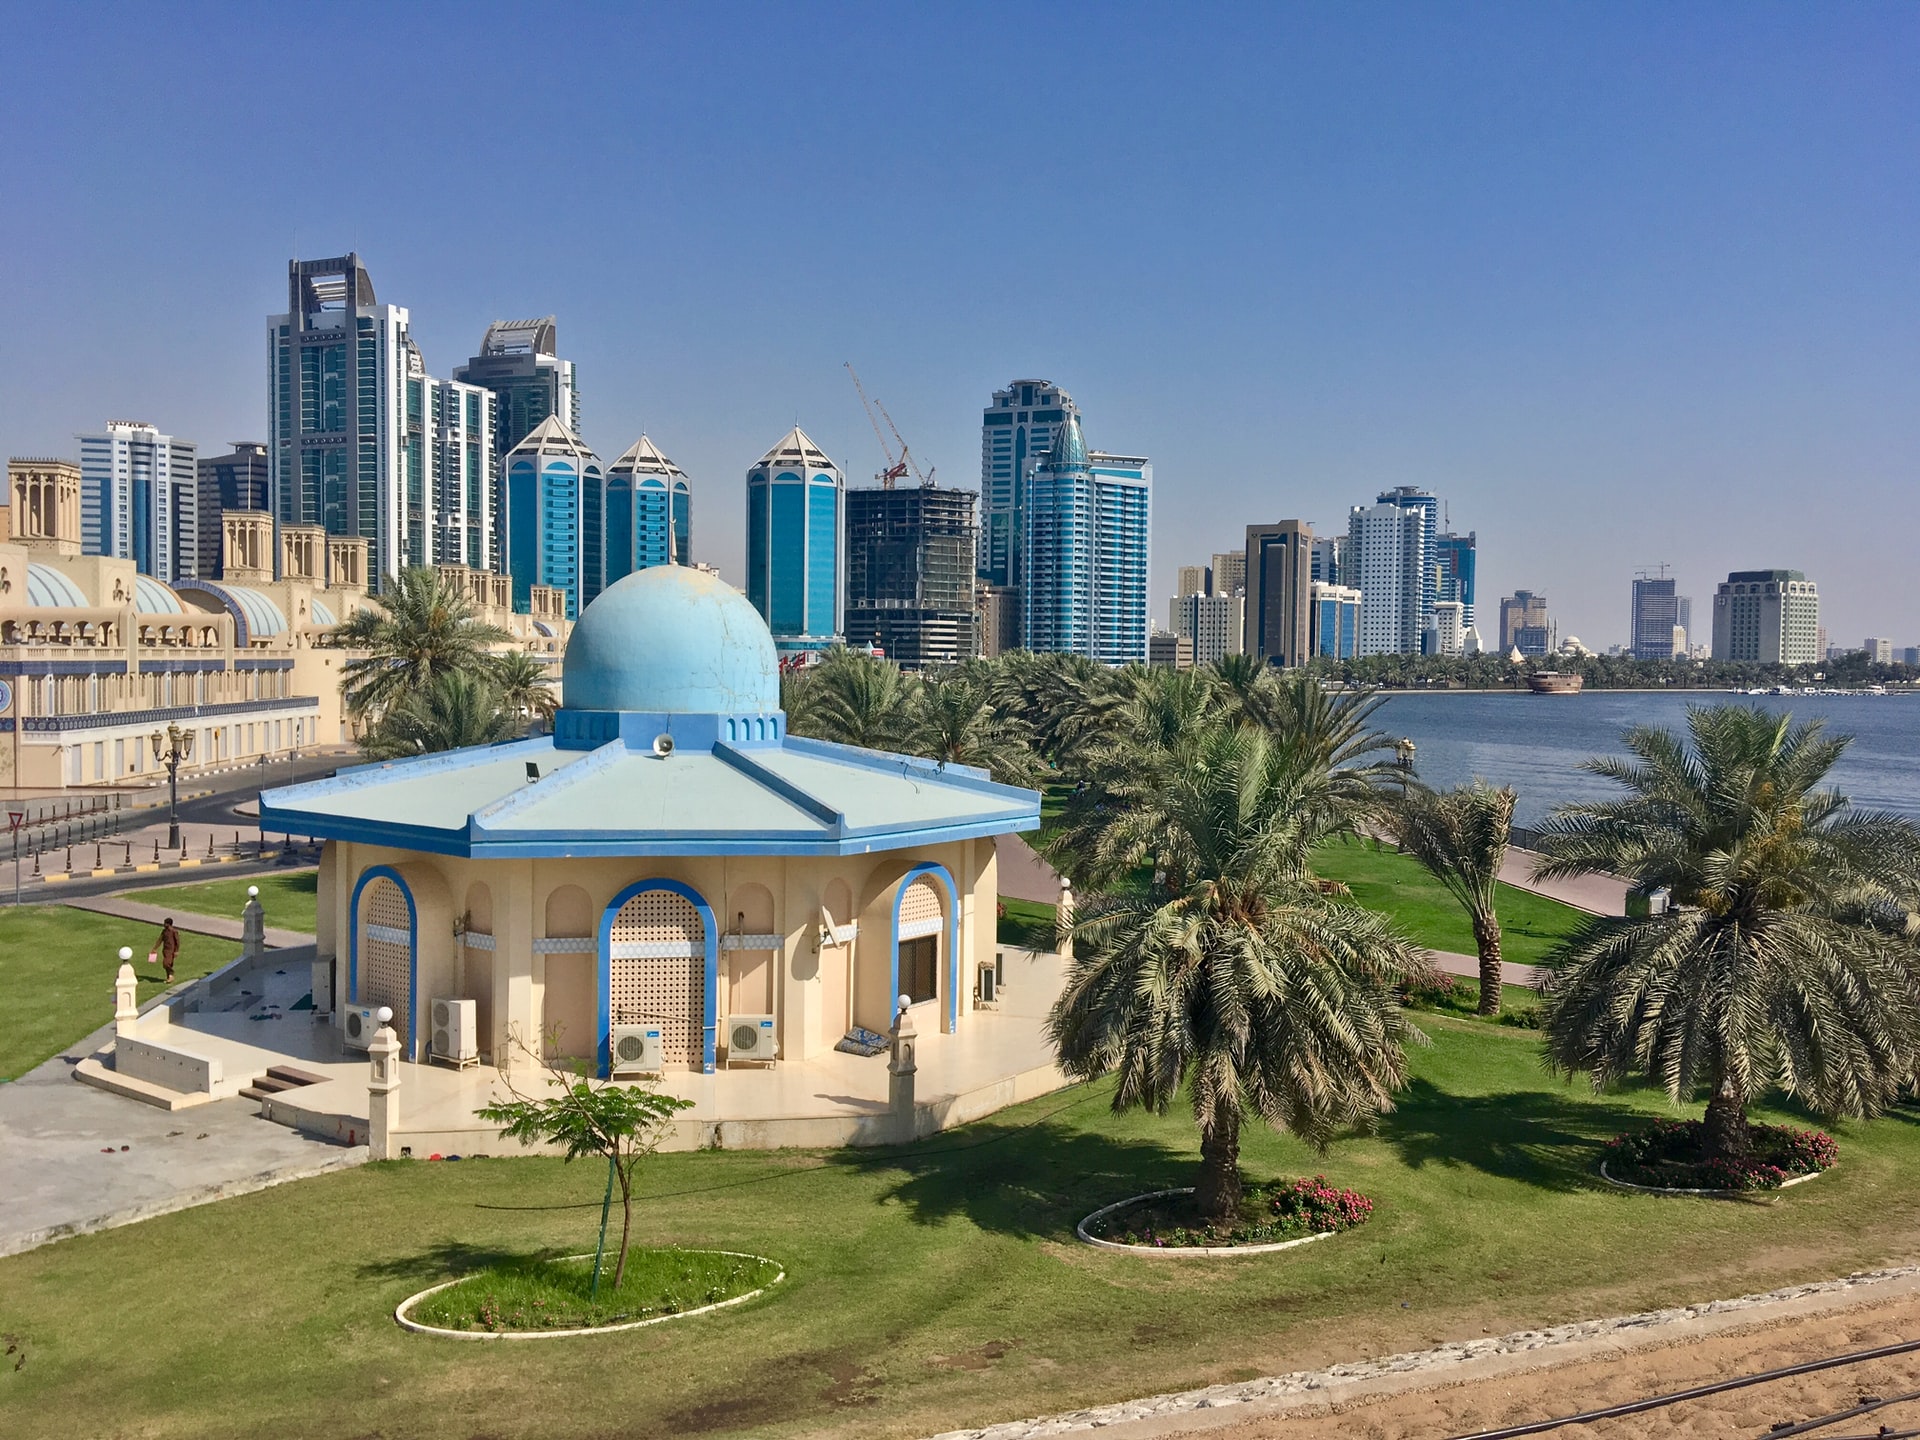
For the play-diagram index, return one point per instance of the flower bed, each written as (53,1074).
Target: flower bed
(1275,1214)
(553,1297)
(1667,1156)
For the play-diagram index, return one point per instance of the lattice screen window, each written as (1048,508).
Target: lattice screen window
(920,910)
(658,972)
(386,958)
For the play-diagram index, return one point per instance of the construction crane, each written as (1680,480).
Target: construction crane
(895,468)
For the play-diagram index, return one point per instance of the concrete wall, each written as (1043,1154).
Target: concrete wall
(162,1065)
(808,984)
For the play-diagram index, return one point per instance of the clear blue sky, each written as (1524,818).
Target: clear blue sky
(1623,283)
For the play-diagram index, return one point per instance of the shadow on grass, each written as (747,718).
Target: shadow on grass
(451,1259)
(1032,1181)
(1532,1136)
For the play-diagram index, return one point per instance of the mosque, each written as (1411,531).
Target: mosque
(670,874)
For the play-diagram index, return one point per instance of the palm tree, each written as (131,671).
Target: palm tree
(525,683)
(853,698)
(451,712)
(1461,837)
(421,628)
(1230,974)
(1789,957)
(951,720)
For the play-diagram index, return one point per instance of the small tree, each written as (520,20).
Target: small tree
(590,1117)
(1461,837)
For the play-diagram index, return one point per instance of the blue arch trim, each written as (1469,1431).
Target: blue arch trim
(934,868)
(387,872)
(711,1000)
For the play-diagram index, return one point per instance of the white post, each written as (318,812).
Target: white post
(383,1089)
(1066,916)
(126,995)
(900,1073)
(253,926)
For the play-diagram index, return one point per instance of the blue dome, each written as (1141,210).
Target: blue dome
(669,639)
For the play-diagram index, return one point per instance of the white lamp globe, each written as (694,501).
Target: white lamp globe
(903,1002)
(383,1016)
(126,952)
(252,891)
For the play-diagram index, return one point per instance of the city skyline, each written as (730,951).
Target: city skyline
(1643,289)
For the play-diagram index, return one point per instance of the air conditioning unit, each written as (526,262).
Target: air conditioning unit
(636,1050)
(987,988)
(456,1031)
(750,1039)
(357,1026)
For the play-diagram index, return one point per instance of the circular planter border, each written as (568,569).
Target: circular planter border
(1086,1237)
(400,1310)
(1710,1194)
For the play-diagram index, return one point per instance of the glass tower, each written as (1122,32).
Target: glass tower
(346,420)
(1454,559)
(1122,519)
(648,515)
(553,515)
(140,499)
(1017,431)
(794,500)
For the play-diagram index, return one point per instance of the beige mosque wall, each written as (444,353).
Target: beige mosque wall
(479,920)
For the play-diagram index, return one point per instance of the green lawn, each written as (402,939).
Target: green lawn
(930,1288)
(1026,923)
(56,976)
(289,900)
(1385,880)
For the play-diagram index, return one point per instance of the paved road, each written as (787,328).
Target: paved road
(1601,894)
(129,908)
(63,1170)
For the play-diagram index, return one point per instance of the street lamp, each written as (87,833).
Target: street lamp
(169,750)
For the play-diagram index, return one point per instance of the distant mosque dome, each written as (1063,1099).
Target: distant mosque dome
(671,640)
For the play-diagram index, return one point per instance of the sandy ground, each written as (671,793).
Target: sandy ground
(1462,1409)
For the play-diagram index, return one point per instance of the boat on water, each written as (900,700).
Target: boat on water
(1553,682)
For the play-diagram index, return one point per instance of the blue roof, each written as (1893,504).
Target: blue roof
(794,797)
(322,613)
(255,616)
(48,586)
(150,597)
(671,742)
(668,639)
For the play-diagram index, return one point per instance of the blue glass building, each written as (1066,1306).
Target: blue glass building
(1016,433)
(555,500)
(1336,620)
(647,516)
(1453,558)
(1086,553)
(794,508)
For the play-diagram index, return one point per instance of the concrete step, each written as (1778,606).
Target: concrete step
(267,1085)
(92,1072)
(294,1076)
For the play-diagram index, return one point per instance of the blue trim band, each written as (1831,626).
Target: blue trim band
(931,867)
(387,872)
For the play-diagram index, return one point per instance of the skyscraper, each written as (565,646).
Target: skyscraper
(1336,620)
(1454,557)
(228,482)
(1425,561)
(1016,432)
(1279,592)
(1386,561)
(140,499)
(1122,552)
(1213,622)
(1056,590)
(1194,580)
(462,467)
(553,485)
(1524,625)
(793,543)
(1230,573)
(1767,616)
(519,362)
(648,515)
(1329,559)
(339,399)
(1657,613)
(910,581)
